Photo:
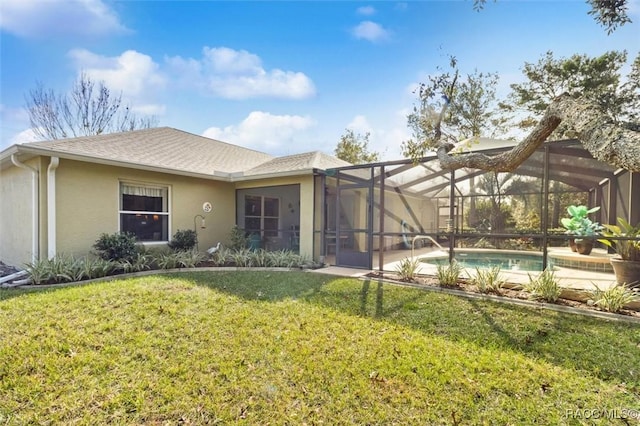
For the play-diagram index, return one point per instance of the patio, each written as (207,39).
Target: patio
(375,211)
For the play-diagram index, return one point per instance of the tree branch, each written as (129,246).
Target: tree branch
(605,140)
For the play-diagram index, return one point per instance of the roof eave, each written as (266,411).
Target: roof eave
(239,177)
(214,175)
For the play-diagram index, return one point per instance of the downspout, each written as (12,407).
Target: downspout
(35,204)
(51,207)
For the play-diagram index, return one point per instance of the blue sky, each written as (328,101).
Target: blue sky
(280,77)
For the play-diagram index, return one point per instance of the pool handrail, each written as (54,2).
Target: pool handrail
(424,237)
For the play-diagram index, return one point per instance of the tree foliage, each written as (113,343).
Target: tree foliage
(452,108)
(610,14)
(602,113)
(354,148)
(88,109)
(597,79)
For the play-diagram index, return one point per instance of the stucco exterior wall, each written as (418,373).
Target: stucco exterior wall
(87,198)
(306,204)
(16,228)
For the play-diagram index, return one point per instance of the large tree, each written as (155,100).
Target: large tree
(453,108)
(609,13)
(354,148)
(597,79)
(606,137)
(88,109)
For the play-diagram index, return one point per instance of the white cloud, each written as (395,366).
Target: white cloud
(360,124)
(132,73)
(25,136)
(371,31)
(386,136)
(149,109)
(44,18)
(366,10)
(262,131)
(13,121)
(238,74)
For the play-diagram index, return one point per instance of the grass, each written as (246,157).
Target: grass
(290,348)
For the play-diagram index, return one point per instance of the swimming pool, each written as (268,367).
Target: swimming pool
(506,260)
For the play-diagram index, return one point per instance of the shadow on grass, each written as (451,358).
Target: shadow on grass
(606,349)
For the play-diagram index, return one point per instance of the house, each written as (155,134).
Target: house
(59,196)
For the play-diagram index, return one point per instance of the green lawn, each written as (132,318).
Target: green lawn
(292,348)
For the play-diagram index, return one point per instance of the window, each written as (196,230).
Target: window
(144,211)
(261,215)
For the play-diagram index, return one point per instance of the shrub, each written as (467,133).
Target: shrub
(544,287)
(260,258)
(242,257)
(408,269)
(184,240)
(59,269)
(97,268)
(166,260)
(448,275)
(221,257)
(179,259)
(484,243)
(140,262)
(118,246)
(613,299)
(38,271)
(189,258)
(238,238)
(488,280)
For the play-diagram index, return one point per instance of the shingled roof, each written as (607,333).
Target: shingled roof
(162,147)
(175,151)
(297,162)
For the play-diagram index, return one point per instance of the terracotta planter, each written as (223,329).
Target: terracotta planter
(584,246)
(572,245)
(627,271)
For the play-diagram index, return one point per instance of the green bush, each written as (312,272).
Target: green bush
(408,269)
(238,238)
(179,259)
(63,268)
(97,268)
(184,240)
(140,262)
(448,275)
(117,247)
(614,298)
(544,287)
(488,280)
(46,271)
(189,258)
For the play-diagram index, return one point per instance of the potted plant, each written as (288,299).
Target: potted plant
(583,229)
(627,265)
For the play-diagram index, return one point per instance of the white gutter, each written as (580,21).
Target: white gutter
(34,209)
(51,207)
(214,175)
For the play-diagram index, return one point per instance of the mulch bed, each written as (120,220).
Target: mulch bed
(512,293)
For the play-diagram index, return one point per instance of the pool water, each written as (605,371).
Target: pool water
(506,261)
